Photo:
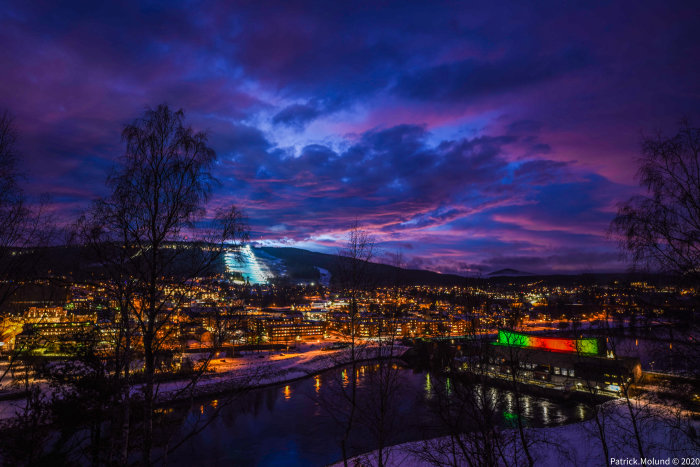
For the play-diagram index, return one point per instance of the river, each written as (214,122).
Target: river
(296,424)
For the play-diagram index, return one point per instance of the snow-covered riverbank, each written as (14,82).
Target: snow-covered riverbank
(252,370)
(666,435)
(263,369)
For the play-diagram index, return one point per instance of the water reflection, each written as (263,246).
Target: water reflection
(510,419)
(492,394)
(527,406)
(306,431)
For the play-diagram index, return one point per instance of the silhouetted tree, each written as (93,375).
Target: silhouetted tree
(515,371)
(662,228)
(21,226)
(25,229)
(153,237)
(353,276)
(378,408)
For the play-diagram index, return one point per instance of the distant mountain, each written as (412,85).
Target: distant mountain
(306,266)
(510,273)
(299,265)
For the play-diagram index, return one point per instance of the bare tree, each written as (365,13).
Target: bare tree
(515,372)
(354,276)
(153,238)
(21,226)
(662,228)
(377,409)
(25,230)
(467,410)
(353,279)
(13,218)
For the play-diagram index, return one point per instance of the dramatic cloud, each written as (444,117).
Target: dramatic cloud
(473,79)
(471,137)
(296,115)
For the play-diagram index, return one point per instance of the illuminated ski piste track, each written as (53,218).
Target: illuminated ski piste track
(250,267)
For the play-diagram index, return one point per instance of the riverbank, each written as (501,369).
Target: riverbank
(249,371)
(257,370)
(665,434)
(302,423)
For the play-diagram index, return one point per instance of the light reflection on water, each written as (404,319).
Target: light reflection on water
(294,418)
(545,414)
(493,393)
(527,405)
(428,387)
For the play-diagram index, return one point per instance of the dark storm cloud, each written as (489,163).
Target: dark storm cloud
(470,79)
(492,135)
(393,174)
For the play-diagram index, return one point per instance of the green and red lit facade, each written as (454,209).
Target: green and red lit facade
(586,346)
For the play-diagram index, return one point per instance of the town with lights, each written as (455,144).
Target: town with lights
(349,234)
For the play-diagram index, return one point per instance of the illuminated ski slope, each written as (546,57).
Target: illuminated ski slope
(252,269)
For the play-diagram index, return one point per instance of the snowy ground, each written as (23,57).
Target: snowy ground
(666,435)
(325,278)
(253,369)
(253,264)
(263,368)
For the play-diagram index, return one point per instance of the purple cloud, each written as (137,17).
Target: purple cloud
(482,136)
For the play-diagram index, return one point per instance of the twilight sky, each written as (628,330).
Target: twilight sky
(471,138)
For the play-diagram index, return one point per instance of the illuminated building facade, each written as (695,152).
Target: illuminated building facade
(585,346)
(294,331)
(567,363)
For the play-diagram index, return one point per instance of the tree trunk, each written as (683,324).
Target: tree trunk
(148,401)
(518,409)
(601,434)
